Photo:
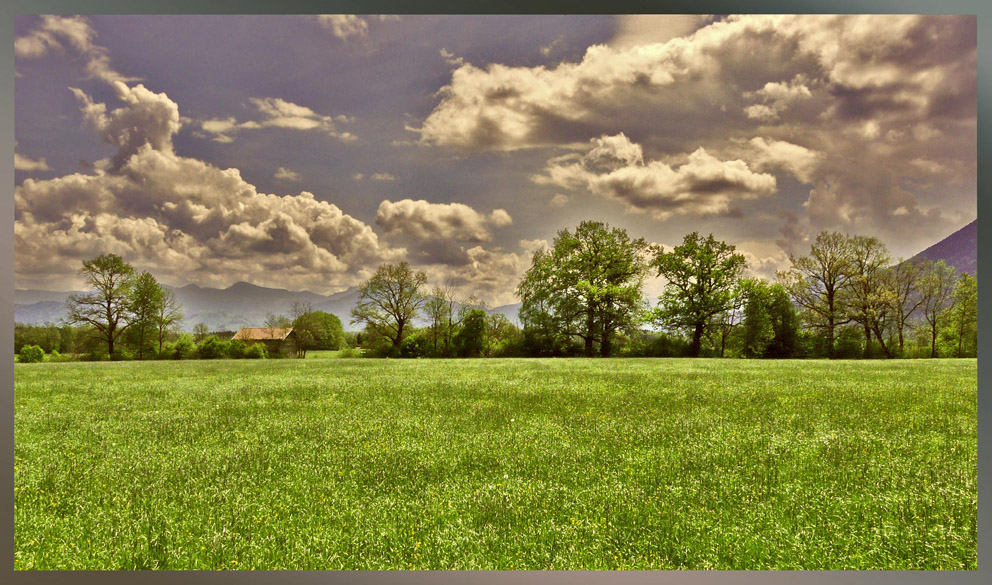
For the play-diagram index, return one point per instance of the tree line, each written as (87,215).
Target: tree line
(129,315)
(584,295)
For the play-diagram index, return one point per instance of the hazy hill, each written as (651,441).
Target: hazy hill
(959,250)
(239,305)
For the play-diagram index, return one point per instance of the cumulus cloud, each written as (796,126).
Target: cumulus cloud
(382,177)
(912,67)
(344,26)
(187,220)
(776,98)
(147,119)
(62,33)
(488,274)
(276,113)
(450,58)
(23,163)
(287,175)
(437,233)
(614,167)
(799,161)
(842,103)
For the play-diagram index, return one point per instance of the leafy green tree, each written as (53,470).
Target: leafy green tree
(869,300)
(937,293)
(587,285)
(963,316)
(107,307)
(470,340)
(815,283)
(701,275)
(318,330)
(146,299)
(390,300)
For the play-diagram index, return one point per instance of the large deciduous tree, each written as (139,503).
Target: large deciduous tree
(869,299)
(964,315)
(107,307)
(937,292)
(389,301)
(587,285)
(317,330)
(815,283)
(701,275)
(146,299)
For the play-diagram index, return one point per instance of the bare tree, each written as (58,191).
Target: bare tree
(169,315)
(815,282)
(904,281)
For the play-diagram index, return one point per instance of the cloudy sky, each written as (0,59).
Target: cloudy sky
(301,152)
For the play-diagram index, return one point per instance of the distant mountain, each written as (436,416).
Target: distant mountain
(239,305)
(959,250)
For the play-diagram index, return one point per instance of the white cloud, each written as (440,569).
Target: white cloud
(500,107)
(437,232)
(344,26)
(287,175)
(614,168)
(382,177)
(277,113)
(559,200)
(59,33)
(23,163)
(450,58)
(797,160)
(184,219)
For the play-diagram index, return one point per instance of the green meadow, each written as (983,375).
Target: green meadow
(496,464)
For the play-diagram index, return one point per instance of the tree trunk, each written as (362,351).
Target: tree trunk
(606,347)
(933,340)
(697,339)
(590,325)
(867,352)
(110,343)
(881,341)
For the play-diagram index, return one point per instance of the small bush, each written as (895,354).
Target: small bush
(31,354)
(256,351)
(211,348)
(415,346)
(349,352)
(236,349)
(184,347)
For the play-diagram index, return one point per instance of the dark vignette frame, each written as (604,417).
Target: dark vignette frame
(12,8)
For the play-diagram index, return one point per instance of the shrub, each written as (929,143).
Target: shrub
(256,351)
(31,354)
(184,347)
(211,348)
(236,349)
(415,346)
(349,352)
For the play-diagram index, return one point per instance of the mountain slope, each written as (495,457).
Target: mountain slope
(959,250)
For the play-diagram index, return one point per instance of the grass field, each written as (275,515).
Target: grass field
(496,464)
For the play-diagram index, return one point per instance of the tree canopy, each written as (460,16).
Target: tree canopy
(701,275)
(587,285)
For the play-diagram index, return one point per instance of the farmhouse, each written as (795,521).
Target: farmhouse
(276,339)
